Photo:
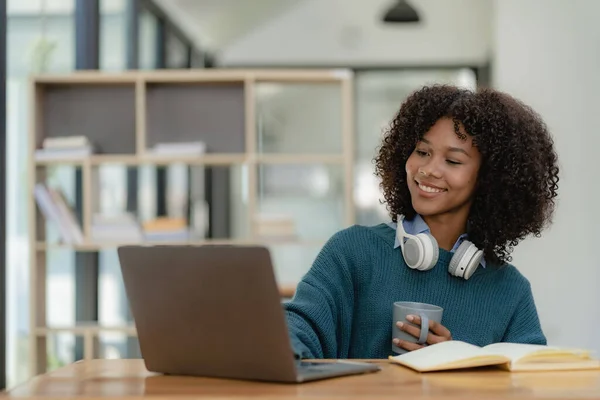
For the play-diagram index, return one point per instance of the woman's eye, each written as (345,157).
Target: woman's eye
(421,153)
(453,162)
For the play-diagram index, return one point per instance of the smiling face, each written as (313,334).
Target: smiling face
(442,172)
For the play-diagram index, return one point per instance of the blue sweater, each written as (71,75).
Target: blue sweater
(343,306)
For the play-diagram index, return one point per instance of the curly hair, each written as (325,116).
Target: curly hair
(518,178)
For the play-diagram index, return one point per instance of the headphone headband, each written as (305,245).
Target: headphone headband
(401,233)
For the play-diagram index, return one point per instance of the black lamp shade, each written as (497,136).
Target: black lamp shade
(401,12)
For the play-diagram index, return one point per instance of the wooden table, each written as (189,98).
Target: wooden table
(129,379)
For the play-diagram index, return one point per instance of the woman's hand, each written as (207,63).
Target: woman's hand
(437,333)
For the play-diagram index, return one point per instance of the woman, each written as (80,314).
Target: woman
(471,169)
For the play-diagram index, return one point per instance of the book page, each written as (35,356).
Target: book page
(517,351)
(448,355)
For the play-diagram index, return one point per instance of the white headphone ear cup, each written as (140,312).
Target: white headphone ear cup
(465,260)
(413,252)
(431,251)
(473,264)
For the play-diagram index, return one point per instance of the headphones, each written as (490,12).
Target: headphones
(421,252)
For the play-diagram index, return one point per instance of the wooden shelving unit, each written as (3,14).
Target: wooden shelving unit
(126,114)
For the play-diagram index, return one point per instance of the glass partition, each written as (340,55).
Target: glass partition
(298,118)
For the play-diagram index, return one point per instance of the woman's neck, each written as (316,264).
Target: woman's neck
(446,229)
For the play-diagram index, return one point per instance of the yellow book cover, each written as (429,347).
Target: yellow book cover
(163,224)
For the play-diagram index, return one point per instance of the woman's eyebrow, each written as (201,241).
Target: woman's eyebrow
(455,149)
(459,150)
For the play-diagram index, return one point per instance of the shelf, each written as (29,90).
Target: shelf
(101,159)
(194,76)
(62,161)
(209,159)
(285,291)
(87,78)
(251,125)
(42,246)
(300,159)
(84,329)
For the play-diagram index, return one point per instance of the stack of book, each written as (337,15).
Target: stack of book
(166,229)
(178,149)
(64,148)
(118,228)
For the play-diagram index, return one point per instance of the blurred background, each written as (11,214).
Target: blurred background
(544,52)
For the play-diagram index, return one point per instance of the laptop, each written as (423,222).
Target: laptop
(215,311)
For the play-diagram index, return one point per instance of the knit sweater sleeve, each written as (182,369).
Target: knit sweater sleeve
(319,316)
(524,326)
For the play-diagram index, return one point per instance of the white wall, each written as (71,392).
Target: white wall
(349,32)
(548,55)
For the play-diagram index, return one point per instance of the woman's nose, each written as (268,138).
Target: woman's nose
(431,168)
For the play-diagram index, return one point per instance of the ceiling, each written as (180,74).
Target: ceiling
(213,24)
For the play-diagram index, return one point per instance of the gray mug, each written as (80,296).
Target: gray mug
(426,311)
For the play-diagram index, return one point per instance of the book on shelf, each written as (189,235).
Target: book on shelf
(454,354)
(65,142)
(125,228)
(270,226)
(64,148)
(178,149)
(166,229)
(115,228)
(55,208)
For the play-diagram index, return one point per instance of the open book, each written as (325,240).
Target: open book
(455,354)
